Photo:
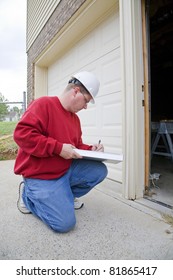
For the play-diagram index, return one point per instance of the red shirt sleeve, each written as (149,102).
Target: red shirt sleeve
(30,136)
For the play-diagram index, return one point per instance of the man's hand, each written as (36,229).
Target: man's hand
(97,148)
(67,152)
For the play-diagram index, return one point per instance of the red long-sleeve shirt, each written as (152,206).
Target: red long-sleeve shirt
(40,135)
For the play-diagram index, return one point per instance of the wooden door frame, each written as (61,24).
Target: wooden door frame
(146,89)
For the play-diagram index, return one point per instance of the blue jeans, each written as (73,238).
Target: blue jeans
(53,200)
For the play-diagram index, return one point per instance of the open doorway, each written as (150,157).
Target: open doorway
(161,102)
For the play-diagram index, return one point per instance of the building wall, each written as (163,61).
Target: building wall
(62,13)
(62,29)
(35,22)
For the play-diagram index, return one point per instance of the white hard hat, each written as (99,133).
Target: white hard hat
(89,81)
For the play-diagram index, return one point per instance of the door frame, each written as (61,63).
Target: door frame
(132,98)
(147,114)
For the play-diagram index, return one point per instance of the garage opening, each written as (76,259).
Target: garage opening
(161,100)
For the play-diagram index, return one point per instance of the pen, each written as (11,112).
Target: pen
(97,148)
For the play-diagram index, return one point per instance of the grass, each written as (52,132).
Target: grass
(7,128)
(8,148)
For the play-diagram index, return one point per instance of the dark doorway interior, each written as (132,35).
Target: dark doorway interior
(161,56)
(161,74)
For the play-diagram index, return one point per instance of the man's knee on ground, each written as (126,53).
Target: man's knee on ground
(64,226)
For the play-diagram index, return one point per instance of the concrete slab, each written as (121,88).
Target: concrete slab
(107,228)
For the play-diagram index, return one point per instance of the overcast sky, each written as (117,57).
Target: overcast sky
(13,49)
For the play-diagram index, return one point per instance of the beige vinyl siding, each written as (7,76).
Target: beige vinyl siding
(38,12)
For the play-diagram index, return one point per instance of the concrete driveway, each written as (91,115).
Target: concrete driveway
(107,228)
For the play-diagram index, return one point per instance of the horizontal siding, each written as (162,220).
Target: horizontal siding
(38,12)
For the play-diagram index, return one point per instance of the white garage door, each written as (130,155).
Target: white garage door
(99,52)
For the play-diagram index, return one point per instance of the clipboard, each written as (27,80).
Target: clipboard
(100,156)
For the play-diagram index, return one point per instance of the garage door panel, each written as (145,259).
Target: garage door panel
(107,124)
(110,35)
(86,50)
(68,63)
(111,144)
(111,114)
(106,37)
(103,103)
(109,107)
(88,118)
(98,52)
(114,172)
(110,72)
(114,131)
(111,132)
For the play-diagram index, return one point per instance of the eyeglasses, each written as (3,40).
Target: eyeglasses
(86,100)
